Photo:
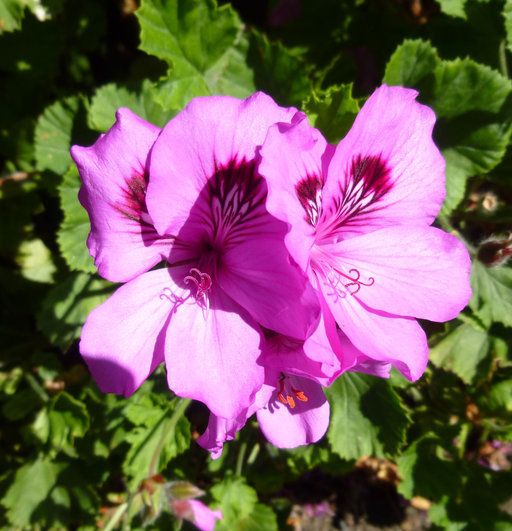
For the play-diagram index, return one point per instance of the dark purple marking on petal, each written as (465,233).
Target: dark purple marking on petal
(309,192)
(366,182)
(236,195)
(133,204)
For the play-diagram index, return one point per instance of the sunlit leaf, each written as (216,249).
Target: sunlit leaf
(75,226)
(31,486)
(111,97)
(462,352)
(199,42)
(492,293)
(53,135)
(332,111)
(367,416)
(11,14)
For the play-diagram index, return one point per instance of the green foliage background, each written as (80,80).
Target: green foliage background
(72,457)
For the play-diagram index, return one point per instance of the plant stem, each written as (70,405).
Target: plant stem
(171,424)
(116,517)
(240,458)
(503,57)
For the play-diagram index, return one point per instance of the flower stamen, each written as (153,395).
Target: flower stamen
(287,399)
(202,281)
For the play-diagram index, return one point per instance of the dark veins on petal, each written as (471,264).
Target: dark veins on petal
(133,206)
(309,192)
(367,181)
(237,200)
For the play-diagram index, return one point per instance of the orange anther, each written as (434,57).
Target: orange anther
(282,398)
(300,395)
(290,400)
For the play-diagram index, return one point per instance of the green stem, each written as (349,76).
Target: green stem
(171,424)
(503,58)
(240,458)
(116,517)
(36,386)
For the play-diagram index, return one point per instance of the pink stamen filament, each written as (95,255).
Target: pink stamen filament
(203,283)
(354,281)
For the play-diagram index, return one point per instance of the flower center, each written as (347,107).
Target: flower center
(288,397)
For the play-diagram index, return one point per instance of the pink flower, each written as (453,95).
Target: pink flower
(359,220)
(196,512)
(192,196)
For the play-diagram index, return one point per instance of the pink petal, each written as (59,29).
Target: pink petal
(291,162)
(416,271)
(204,517)
(196,512)
(122,339)
(207,135)
(364,363)
(305,423)
(259,275)
(221,430)
(381,337)
(212,355)
(387,170)
(123,240)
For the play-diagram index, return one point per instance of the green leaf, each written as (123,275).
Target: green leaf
(463,85)
(426,474)
(367,417)
(68,419)
(201,43)
(507,15)
(68,304)
(31,486)
(21,404)
(454,8)
(411,63)
(492,293)
(52,136)
(35,261)
(277,71)
(11,15)
(237,500)
(500,396)
(462,352)
(145,456)
(141,101)
(75,227)
(332,111)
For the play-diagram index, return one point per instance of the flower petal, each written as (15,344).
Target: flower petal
(387,170)
(292,157)
(259,275)
(123,240)
(122,339)
(306,423)
(382,337)
(416,271)
(203,517)
(210,133)
(212,354)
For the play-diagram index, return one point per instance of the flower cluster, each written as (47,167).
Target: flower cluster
(260,262)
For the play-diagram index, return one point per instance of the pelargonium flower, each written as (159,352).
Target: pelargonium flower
(191,195)
(359,219)
(291,407)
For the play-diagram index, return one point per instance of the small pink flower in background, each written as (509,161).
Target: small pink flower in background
(359,216)
(190,195)
(196,512)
